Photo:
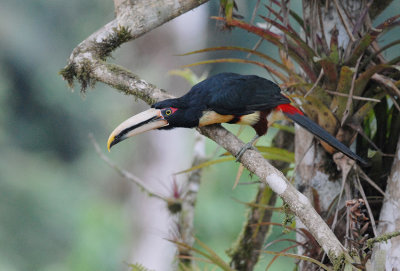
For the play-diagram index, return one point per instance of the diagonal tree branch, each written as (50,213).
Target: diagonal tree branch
(250,243)
(87,65)
(298,203)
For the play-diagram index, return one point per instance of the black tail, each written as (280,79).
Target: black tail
(319,132)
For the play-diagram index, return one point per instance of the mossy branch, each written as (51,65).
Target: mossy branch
(383,238)
(87,61)
(115,39)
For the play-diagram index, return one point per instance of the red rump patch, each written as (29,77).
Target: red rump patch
(289,109)
(173,109)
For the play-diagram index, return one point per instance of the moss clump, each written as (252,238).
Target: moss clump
(338,262)
(119,35)
(288,218)
(102,50)
(123,88)
(82,74)
(382,238)
(68,73)
(129,90)
(84,77)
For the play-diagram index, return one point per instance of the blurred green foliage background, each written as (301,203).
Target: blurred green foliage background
(61,208)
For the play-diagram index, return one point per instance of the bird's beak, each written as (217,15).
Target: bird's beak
(140,123)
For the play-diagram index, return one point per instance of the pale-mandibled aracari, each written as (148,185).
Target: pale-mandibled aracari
(225,98)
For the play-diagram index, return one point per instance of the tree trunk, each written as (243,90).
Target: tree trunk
(316,175)
(386,255)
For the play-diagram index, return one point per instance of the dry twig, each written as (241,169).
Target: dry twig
(354,97)
(316,83)
(123,173)
(350,99)
(346,26)
(371,216)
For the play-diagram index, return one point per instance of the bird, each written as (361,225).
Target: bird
(225,98)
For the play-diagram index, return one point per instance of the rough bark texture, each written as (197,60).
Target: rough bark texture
(297,202)
(316,175)
(386,255)
(318,181)
(312,169)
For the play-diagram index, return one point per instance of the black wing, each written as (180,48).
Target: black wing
(235,94)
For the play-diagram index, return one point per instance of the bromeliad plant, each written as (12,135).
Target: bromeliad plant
(340,90)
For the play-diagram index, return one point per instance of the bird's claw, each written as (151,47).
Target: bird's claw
(248,146)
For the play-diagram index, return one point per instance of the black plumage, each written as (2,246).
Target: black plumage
(224,98)
(225,94)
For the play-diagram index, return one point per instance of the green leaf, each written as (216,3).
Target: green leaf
(363,79)
(362,45)
(344,85)
(273,153)
(235,48)
(299,257)
(277,154)
(213,257)
(363,111)
(206,164)
(282,77)
(261,206)
(293,52)
(270,153)
(189,75)
(285,128)
(370,37)
(228,8)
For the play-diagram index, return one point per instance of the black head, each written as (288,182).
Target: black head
(177,114)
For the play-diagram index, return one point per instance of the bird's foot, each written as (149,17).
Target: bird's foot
(248,146)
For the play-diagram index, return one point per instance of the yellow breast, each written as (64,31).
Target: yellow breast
(249,119)
(211,117)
